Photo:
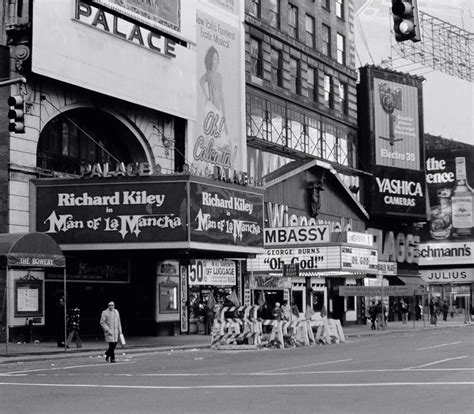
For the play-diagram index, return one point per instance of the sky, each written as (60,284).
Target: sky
(447,100)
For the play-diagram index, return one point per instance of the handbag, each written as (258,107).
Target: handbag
(122,340)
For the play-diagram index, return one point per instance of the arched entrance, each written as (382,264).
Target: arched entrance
(86,136)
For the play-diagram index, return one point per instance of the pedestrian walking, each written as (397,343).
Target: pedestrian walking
(110,322)
(373,316)
(73,323)
(433,313)
(445,310)
(60,334)
(404,309)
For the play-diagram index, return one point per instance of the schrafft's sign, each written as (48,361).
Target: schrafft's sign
(299,235)
(375,291)
(315,259)
(212,272)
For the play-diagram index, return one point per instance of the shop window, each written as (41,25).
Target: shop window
(168,298)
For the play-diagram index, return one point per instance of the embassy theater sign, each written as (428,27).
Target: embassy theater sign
(167,211)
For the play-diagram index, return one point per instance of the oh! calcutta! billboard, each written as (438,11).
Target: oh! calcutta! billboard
(392,142)
(218,138)
(161,212)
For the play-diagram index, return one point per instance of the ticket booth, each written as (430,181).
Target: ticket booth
(23,260)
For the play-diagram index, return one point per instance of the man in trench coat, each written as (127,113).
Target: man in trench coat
(110,322)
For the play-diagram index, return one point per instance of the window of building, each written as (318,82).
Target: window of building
(256,58)
(277,67)
(328,91)
(293,21)
(85,136)
(295,76)
(340,9)
(274,13)
(326,4)
(326,40)
(255,8)
(343,97)
(312,82)
(310,30)
(341,49)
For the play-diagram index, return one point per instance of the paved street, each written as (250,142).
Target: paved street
(419,371)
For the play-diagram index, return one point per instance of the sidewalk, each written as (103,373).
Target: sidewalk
(22,352)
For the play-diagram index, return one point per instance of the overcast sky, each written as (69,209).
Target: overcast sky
(448,100)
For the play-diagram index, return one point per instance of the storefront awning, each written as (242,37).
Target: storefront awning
(411,281)
(30,250)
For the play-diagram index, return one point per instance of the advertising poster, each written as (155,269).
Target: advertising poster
(448,236)
(397,136)
(218,136)
(141,44)
(117,212)
(398,192)
(226,216)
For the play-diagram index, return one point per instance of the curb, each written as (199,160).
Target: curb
(38,357)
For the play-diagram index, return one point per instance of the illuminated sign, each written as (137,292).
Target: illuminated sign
(462,275)
(387,268)
(363,239)
(315,259)
(400,248)
(124,29)
(212,272)
(355,258)
(397,137)
(446,253)
(398,192)
(278,216)
(301,235)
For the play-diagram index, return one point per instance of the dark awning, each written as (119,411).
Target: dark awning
(411,281)
(30,250)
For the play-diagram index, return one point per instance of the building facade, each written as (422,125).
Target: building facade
(131,155)
(302,136)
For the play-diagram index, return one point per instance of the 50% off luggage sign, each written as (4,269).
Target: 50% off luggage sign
(212,272)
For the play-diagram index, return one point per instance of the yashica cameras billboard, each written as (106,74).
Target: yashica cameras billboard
(391,141)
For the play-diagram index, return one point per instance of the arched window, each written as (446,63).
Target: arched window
(85,136)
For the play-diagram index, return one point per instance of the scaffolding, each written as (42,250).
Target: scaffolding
(444,47)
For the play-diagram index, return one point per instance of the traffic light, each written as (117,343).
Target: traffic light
(16,114)
(406,24)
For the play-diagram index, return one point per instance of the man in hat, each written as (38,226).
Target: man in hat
(110,322)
